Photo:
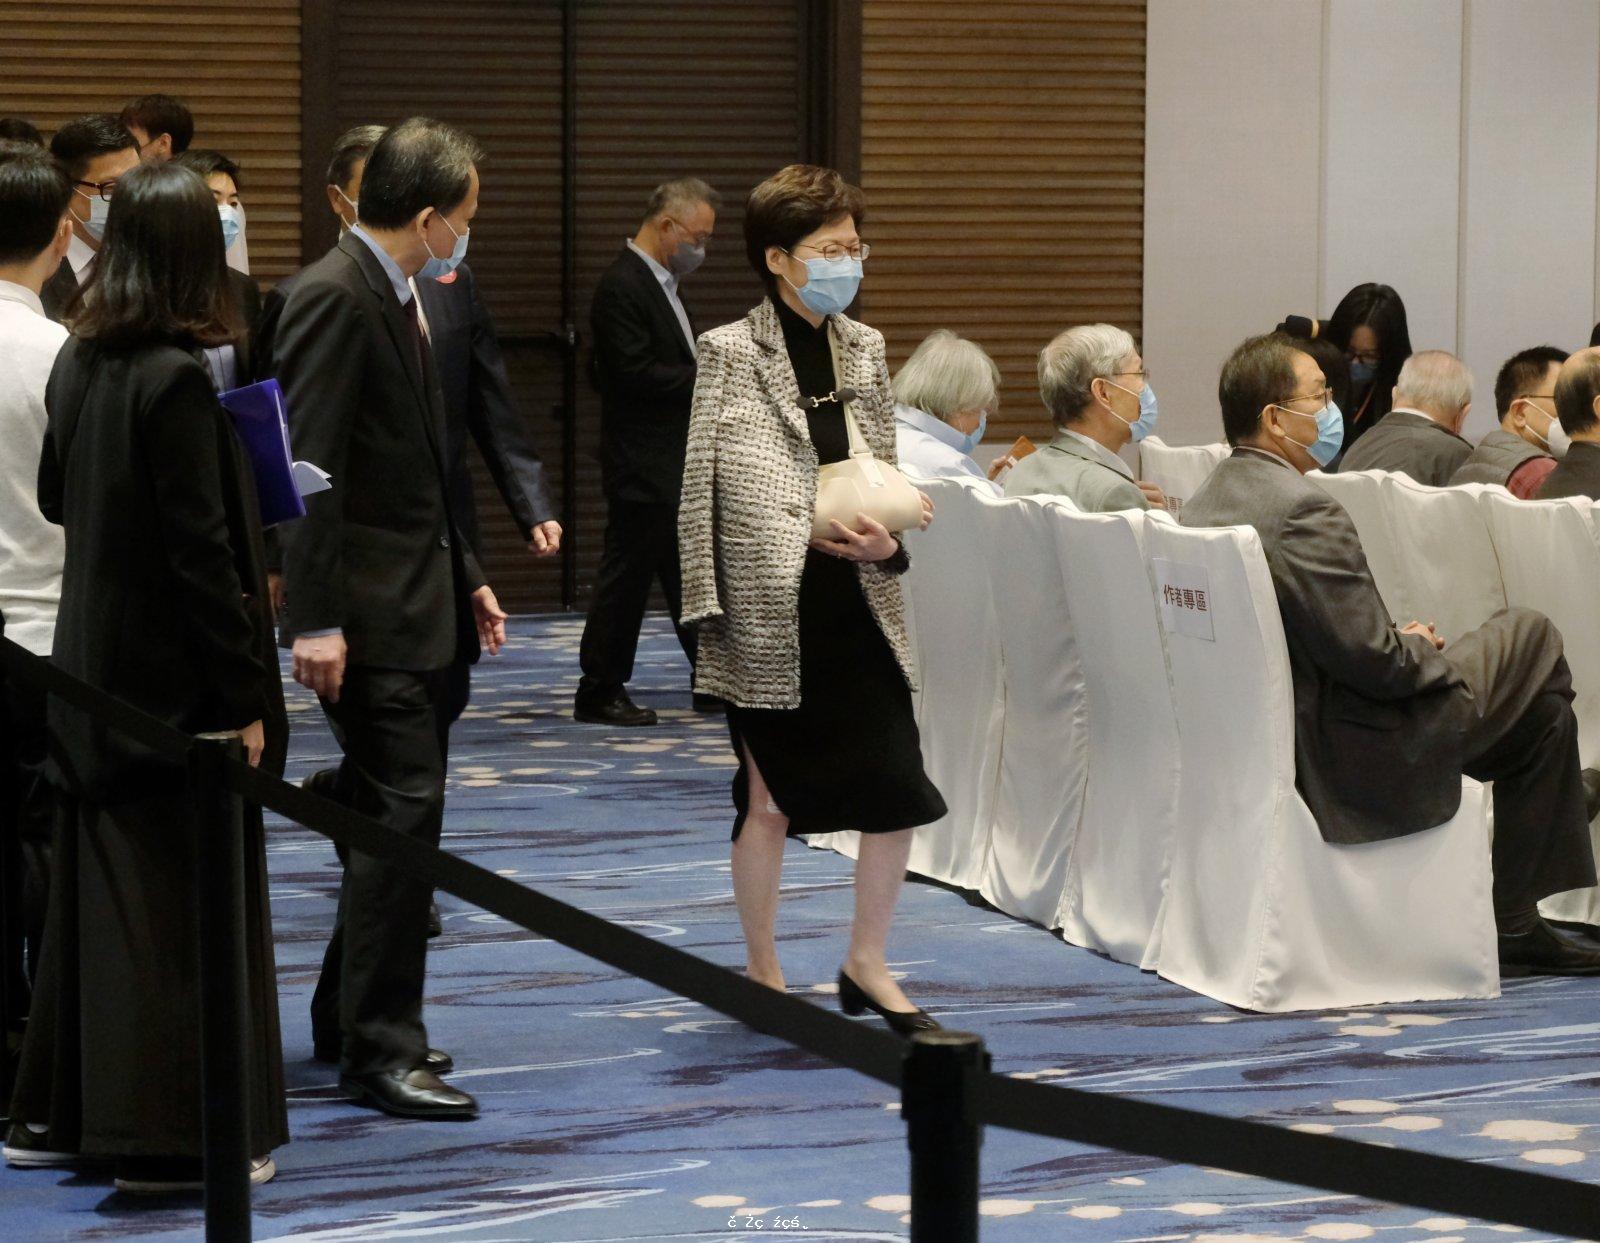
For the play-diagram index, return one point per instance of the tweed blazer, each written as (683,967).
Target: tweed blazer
(749,491)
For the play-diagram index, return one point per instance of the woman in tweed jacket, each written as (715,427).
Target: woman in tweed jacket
(805,639)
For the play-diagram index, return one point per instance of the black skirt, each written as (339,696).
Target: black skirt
(850,756)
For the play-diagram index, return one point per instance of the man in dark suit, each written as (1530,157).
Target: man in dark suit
(383,593)
(1421,436)
(644,368)
(1578,405)
(1387,719)
(95,150)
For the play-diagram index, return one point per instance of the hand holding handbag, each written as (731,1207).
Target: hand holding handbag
(862,485)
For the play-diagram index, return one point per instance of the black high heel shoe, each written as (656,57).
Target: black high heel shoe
(853,1000)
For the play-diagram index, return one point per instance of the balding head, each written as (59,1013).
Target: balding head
(1437,383)
(1578,393)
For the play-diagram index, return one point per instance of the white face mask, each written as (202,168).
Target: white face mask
(1554,437)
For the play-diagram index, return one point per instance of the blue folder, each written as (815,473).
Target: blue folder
(259,418)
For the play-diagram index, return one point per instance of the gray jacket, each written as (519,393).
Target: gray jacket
(749,492)
(1412,444)
(1577,474)
(1379,716)
(1067,467)
(1496,458)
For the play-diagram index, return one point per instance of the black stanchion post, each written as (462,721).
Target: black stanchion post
(219,876)
(939,1103)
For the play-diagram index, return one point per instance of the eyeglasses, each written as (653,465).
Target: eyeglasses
(695,239)
(1321,397)
(833,252)
(103,188)
(1371,357)
(1144,375)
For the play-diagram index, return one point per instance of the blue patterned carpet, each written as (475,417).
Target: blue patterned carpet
(612,1112)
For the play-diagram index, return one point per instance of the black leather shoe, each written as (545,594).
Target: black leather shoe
(1542,950)
(710,703)
(1591,792)
(853,1000)
(409,1094)
(435,1061)
(615,709)
(435,924)
(323,782)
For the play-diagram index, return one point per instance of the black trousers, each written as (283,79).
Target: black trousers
(1525,740)
(393,726)
(641,545)
(27,820)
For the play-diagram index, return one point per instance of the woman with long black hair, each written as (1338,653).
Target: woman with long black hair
(1369,326)
(162,605)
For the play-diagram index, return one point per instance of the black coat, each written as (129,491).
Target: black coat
(161,590)
(379,555)
(1577,474)
(59,291)
(246,295)
(644,369)
(479,403)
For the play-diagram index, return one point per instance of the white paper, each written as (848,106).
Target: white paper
(309,479)
(1184,592)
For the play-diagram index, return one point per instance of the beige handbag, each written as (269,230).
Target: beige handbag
(861,484)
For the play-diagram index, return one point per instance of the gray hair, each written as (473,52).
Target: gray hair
(948,375)
(1074,360)
(682,194)
(1434,380)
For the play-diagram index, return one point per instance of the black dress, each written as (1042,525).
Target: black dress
(849,757)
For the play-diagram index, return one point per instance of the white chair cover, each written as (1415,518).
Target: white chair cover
(1261,913)
(950,616)
(1178,470)
(1549,555)
(1445,555)
(1361,494)
(1117,873)
(1044,740)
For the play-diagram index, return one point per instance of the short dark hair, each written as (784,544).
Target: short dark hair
(1335,369)
(205,161)
(162,114)
(78,142)
(1594,335)
(34,194)
(160,275)
(1521,372)
(20,129)
(1259,373)
(791,204)
(1576,388)
(418,164)
(349,149)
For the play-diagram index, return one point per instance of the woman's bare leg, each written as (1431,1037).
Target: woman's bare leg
(880,869)
(757,869)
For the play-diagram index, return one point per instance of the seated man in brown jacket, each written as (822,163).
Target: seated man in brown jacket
(1387,719)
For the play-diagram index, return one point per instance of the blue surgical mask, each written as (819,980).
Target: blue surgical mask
(231,224)
(1330,433)
(99,209)
(1148,414)
(685,258)
(975,437)
(436,267)
(831,285)
(1362,373)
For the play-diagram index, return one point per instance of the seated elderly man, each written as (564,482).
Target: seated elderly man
(1520,453)
(1387,719)
(1095,386)
(1421,435)
(943,397)
(1578,403)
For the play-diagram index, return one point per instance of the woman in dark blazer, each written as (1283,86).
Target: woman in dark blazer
(161,607)
(804,639)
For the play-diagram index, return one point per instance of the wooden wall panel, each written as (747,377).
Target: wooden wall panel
(236,63)
(1002,155)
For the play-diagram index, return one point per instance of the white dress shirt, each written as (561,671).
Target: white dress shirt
(669,282)
(930,447)
(1102,453)
(31,549)
(81,256)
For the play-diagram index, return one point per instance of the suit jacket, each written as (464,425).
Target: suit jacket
(59,291)
(645,372)
(1067,467)
(379,555)
(1412,444)
(246,295)
(1379,716)
(749,492)
(1577,474)
(163,585)
(479,403)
